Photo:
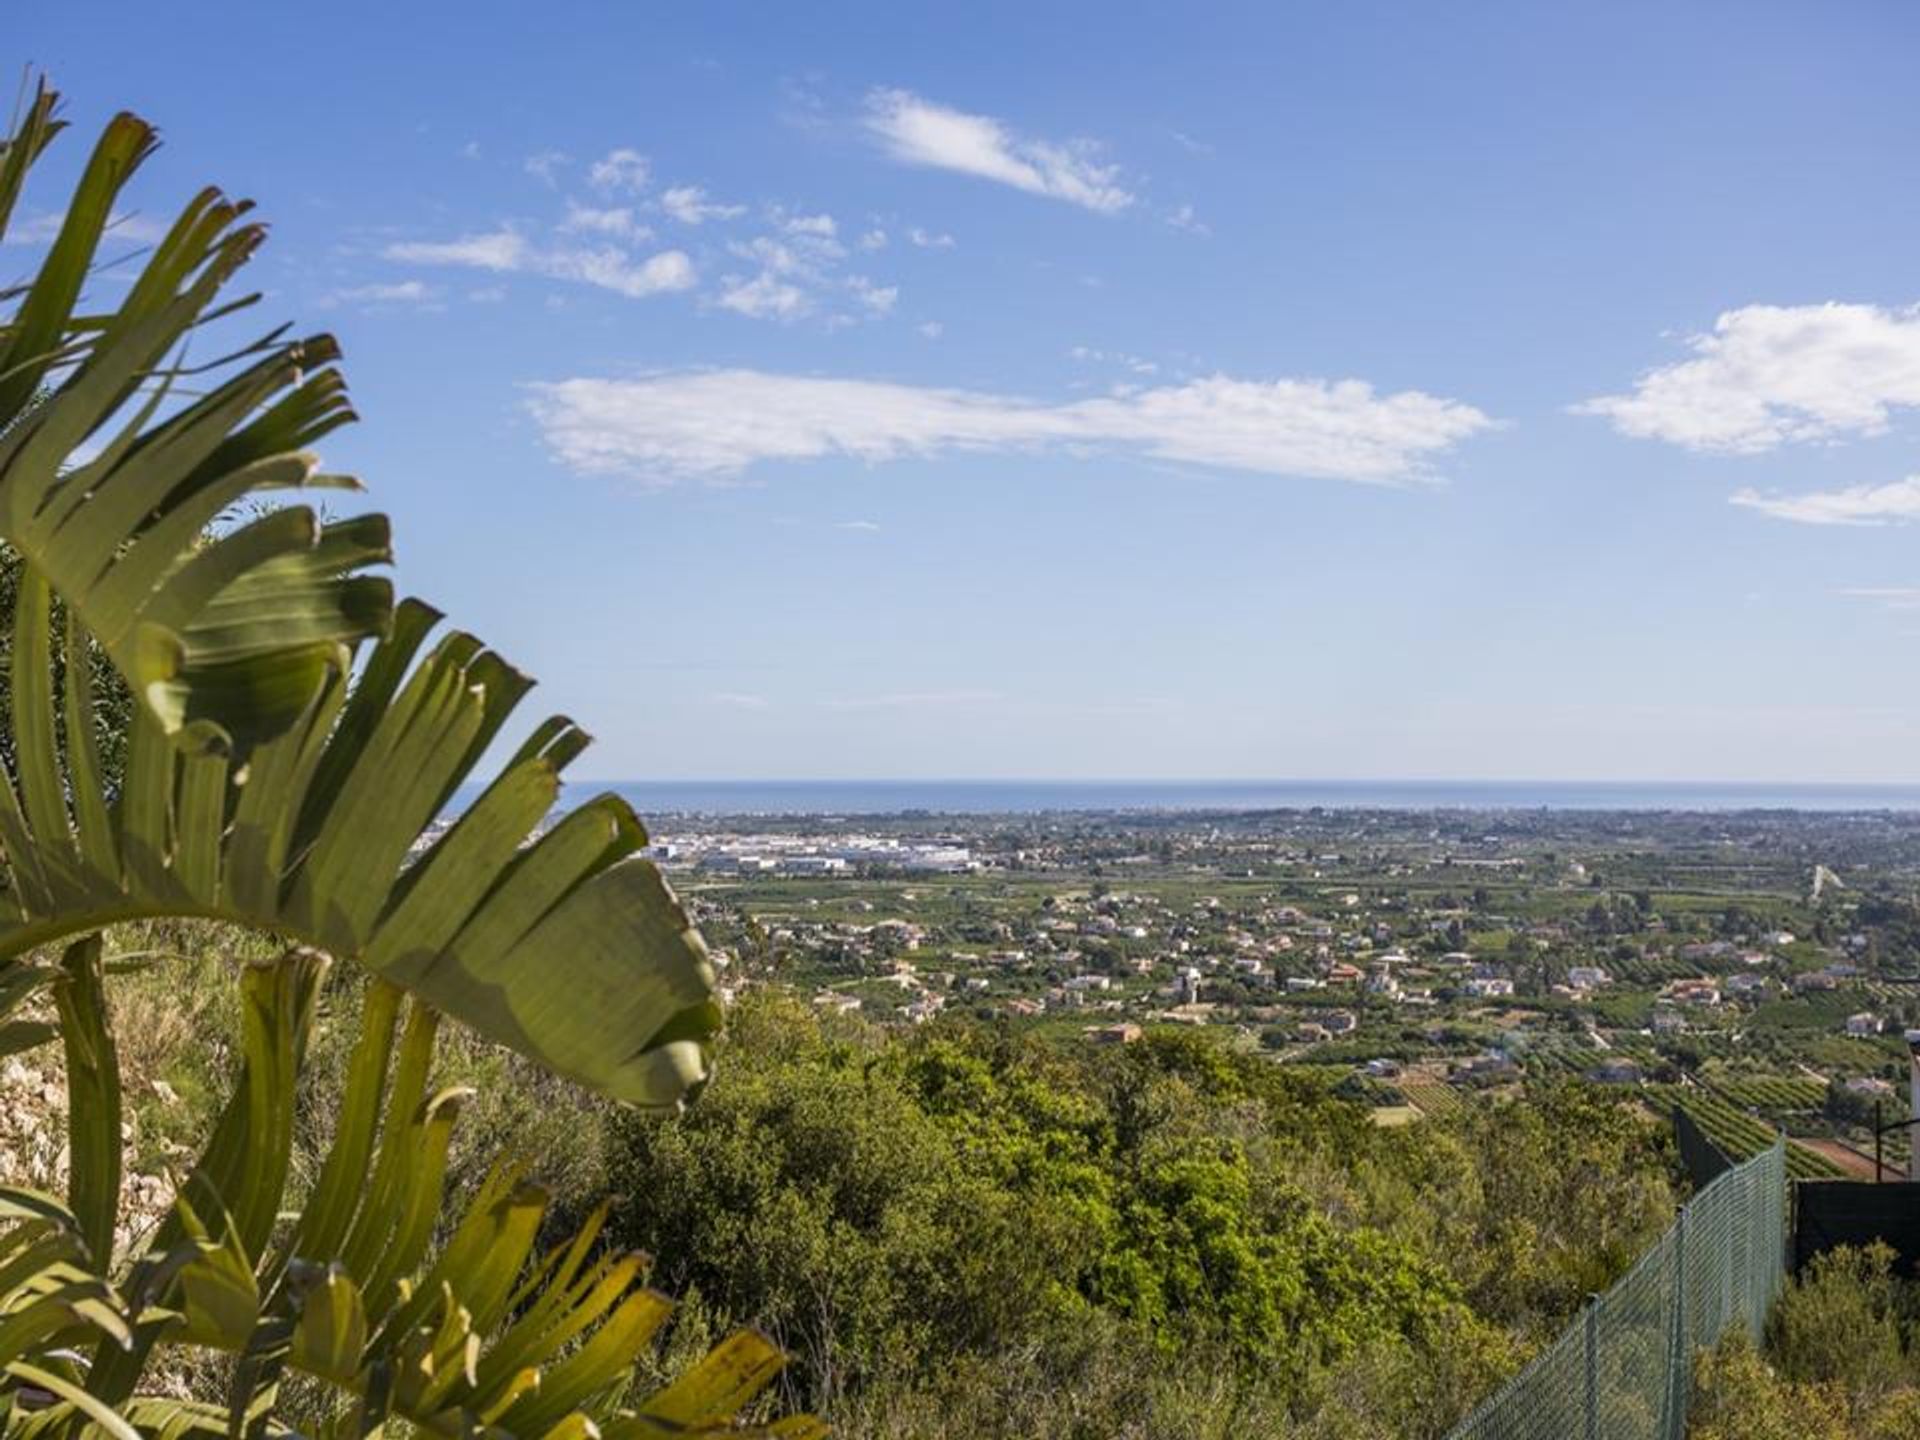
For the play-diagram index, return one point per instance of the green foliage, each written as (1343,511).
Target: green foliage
(1536,1203)
(275,776)
(1736,1396)
(277,779)
(1839,1363)
(966,1217)
(349,1294)
(1840,1322)
(112,718)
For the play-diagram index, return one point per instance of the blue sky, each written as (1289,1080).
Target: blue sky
(1499,390)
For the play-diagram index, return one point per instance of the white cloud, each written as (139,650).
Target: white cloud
(875,239)
(1771,374)
(928,240)
(495,250)
(738,700)
(877,298)
(608,267)
(613,269)
(863,525)
(717,424)
(621,169)
(921,132)
(820,225)
(690,206)
(618,222)
(1894,503)
(765,297)
(932,329)
(770,253)
(798,272)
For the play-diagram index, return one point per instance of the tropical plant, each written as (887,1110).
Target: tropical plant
(277,778)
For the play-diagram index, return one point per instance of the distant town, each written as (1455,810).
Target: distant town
(1760,967)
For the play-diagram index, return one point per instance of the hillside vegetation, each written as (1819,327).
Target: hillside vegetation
(1173,1237)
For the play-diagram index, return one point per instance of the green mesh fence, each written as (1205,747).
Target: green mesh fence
(1621,1371)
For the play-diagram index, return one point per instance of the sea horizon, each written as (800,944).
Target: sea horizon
(785,797)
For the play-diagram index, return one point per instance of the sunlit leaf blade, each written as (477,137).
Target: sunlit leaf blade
(277,776)
(296,741)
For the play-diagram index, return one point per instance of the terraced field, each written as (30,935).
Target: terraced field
(1775,1095)
(1431,1097)
(1735,1131)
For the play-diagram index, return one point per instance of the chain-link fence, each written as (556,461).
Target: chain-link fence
(1621,1372)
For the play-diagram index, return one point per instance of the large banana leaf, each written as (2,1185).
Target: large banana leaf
(478,1335)
(276,776)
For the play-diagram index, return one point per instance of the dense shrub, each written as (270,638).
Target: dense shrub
(1174,1238)
(964,1216)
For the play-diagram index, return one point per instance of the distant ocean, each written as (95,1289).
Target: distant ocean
(978,797)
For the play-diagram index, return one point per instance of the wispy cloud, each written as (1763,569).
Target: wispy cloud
(613,269)
(546,165)
(1137,364)
(1894,503)
(914,700)
(507,251)
(42,228)
(738,700)
(878,299)
(619,170)
(1771,374)
(929,239)
(819,226)
(763,297)
(715,425)
(1184,218)
(862,525)
(690,206)
(617,221)
(801,271)
(1891,597)
(920,132)
(501,250)
(403,292)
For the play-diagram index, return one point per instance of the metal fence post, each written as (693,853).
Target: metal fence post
(1741,1235)
(1680,1378)
(1593,1367)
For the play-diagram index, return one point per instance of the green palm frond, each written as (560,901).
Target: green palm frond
(296,734)
(275,776)
(478,1334)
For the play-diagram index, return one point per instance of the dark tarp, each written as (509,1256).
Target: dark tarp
(1704,1159)
(1828,1213)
